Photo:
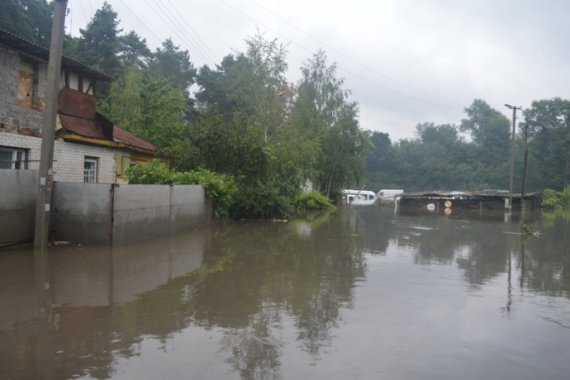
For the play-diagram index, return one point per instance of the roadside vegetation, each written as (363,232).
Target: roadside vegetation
(224,191)
(221,188)
(254,139)
(556,203)
(474,154)
(242,120)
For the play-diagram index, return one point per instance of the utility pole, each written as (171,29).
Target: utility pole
(43,202)
(525,162)
(512,160)
(525,168)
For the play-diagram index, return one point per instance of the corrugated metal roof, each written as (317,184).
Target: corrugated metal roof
(40,52)
(95,129)
(121,135)
(82,127)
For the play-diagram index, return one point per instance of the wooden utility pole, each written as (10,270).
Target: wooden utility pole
(43,202)
(525,162)
(525,168)
(512,160)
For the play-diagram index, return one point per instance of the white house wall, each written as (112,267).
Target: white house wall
(68,157)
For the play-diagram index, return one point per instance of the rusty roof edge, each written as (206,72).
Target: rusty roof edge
(118,139)
(66,61)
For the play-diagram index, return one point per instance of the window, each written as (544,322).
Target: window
(77,82)
(28,84)
(13,158)
(90,170)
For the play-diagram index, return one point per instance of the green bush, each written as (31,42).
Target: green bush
(261,200)
(313,201)
(564,197)
(221,188)
(556,200)
(550,199)
(151,173)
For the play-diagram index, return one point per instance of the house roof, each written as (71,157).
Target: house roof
(121,135)
(102,129)
(35,50)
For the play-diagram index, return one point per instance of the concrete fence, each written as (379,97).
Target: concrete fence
(100,214)
(18,189)
(120,214)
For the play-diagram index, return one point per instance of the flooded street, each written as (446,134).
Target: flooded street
(365,294)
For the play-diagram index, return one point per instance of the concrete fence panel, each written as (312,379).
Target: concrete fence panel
(140,212)
(82,213)
(190,207)
(18,190)
(101,214)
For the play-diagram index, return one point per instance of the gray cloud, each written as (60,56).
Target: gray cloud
(405,62)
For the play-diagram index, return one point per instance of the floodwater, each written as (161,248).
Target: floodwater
(365,294)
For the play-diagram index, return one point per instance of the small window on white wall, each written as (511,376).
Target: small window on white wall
(90,169)
(13,158)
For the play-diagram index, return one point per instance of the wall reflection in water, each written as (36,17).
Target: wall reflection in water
(259,293)
(88,289)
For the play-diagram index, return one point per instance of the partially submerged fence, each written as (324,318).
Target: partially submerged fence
(18,189)
(119,214)
(100,213)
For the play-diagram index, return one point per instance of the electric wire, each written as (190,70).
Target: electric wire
(159,12)
(93,9)
(158,40)
(180,27)
(347,56)
(82,11)
(192,31)
(359,76)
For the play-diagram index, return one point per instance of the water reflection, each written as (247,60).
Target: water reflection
(273,300)
(74,324)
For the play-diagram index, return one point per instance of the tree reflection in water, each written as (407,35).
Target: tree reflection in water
(251,288)
(267,288)
(255,351)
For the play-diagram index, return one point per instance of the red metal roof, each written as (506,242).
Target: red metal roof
(77,103)
(82,127)
(96,129)
(120,135)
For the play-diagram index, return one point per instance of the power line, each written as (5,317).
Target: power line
(362,78)
(347,56)
(192,31)
(159,12)
(93,9)
(141,22)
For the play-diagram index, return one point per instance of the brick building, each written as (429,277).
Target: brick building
(88,147)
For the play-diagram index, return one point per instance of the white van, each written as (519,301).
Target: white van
(358,197)
(388,196)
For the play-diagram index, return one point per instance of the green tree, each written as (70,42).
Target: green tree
(323,113)
(243,131)
(133,51)
(30,19)
(149,107)
(99,44)
(171,63)
(548,122)
(381,168)
(489,131)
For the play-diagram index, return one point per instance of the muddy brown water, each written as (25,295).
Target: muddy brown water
(365,294)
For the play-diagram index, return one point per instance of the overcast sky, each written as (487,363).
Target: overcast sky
(405,62)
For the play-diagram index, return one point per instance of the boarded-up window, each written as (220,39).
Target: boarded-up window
(27,85)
